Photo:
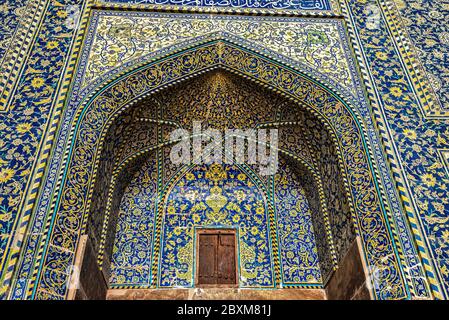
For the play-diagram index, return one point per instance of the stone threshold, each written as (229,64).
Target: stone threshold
(216,294)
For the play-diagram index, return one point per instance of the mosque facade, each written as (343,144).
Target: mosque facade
(344,103)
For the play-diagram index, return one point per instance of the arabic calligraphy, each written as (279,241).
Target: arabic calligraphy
(253,4)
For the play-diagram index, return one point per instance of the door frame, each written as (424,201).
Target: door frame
(218,230)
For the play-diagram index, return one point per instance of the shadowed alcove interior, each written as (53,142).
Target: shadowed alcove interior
(294,230)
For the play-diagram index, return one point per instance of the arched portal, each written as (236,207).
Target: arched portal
(335,138)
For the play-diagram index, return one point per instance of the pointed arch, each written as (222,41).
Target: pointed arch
(111,99)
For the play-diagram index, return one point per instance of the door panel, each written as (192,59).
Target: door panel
(208,257)
(226,259)
(216,261)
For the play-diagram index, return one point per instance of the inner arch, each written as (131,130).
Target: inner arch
(312,231)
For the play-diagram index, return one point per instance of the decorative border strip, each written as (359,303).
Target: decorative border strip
(18,52)
(444,156)
(371,95)
(392,160)
(334,12)
(166,122)
(429,103)
(60,102)
(45,151)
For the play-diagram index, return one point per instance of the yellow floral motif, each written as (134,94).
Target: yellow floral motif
(52,45)
(37,82)
(62,14)
(381,55)
(185,256)
(409,133)
(6,174)
(171,210)
(445,235)
(5,217)
(196,218)
(396,91)
(240,195)
(23,127)
(177,231)
(429,180)
(241,177)
(247,255)
(216,201)
(261,257)
(254,230)
(216,173)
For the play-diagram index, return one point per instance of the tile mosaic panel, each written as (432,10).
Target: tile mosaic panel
(25,121)
(207,99)
(416,140)
(119,39)
(296,237)
(213,197)
(210,197)
(327,163)
(294,82)
(132,254)
(425,22)
(320,220)
(16,22)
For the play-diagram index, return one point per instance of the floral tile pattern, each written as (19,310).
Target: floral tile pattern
(413,143)
(423,22)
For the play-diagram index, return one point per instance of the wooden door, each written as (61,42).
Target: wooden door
(216,258)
